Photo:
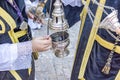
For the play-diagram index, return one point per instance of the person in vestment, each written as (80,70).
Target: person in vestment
(16,43)
(97,55)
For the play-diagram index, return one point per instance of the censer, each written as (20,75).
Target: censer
(60,42)
(110,23)
(60,36)
(38,11)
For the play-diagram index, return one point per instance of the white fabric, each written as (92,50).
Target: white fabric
(72,2)
(34,25)
(15,57)
(29,4)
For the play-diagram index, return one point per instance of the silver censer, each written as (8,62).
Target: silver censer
(60,38)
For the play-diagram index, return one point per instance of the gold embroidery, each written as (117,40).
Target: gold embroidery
(3,27)
(10,21)
(118,76)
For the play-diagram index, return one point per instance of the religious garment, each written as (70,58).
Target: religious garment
(98,52)
(12,17)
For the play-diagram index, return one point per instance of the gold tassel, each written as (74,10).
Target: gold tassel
(106,68)
(35,55)
(82,79)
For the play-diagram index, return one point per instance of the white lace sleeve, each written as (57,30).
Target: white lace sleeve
(15,56)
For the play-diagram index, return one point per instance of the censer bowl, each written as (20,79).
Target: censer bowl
(60,42)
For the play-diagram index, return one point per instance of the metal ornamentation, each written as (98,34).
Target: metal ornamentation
(60,42)
(111,23)
(60,38)
(58,21)
(38,11)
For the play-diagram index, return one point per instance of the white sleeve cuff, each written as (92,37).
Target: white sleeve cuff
(15,56)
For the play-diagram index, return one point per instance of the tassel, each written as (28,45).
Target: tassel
(35,55)
(82,79)
(106,68)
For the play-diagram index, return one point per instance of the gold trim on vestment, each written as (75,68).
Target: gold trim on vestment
(91,39)
(107,44)
(118,76)
(10,21)
(2,27)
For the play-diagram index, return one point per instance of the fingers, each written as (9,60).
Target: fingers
(45,40)
(45,37)
(34,17)
(41,44)
(30,15)
(118,30)
(44,48)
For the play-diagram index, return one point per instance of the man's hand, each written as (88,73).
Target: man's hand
(41,44)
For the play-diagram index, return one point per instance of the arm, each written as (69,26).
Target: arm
(18,56)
